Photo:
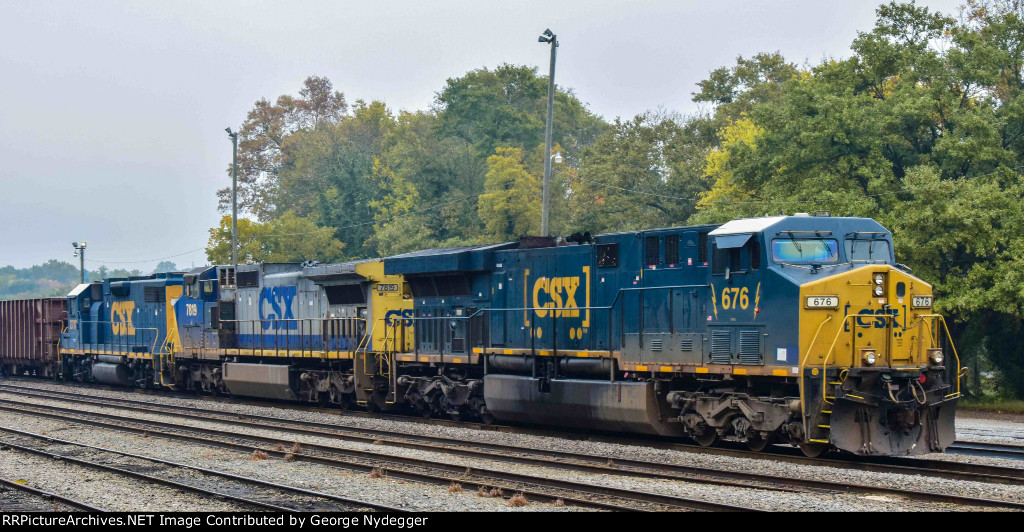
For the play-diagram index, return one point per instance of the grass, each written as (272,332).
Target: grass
(992,404)
(518,500)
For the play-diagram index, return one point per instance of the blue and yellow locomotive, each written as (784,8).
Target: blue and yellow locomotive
(790,329)
(796,329)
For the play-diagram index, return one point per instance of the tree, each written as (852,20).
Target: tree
(921,130)
(510,206)
(507,107)
(285,239)
(165,267)
(263,135)
(638,174)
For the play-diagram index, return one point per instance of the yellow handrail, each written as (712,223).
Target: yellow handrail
(803,364)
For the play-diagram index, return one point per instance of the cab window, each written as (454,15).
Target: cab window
(867,250)
(805,250)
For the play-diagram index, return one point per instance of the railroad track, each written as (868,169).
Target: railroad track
(997,450)
(524,455)
(507,484)
(917,466)
(53,501)
(258,494)
(913,466)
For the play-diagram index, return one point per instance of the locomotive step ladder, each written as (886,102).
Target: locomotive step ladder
(380,365)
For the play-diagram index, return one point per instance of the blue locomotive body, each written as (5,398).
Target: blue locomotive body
(122,331)
(747,331)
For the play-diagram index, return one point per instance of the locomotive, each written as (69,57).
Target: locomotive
(787,329)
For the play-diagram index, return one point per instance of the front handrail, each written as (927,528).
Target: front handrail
(890,321)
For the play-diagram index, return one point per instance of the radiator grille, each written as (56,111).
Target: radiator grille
(721,351)
(656,344)
(686,344)
(750,347)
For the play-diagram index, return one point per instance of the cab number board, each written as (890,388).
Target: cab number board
(823,302)
(387,287)
(921,301)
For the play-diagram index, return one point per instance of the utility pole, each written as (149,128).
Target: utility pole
(80,253)
(234,196)
(551,38)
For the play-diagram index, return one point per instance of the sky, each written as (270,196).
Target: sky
(112,114)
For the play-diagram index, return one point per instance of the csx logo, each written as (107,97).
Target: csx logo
(559,294)
(279,299)
(870,320)
(121,318)
(393,315)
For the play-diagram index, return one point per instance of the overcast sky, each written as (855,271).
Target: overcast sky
(112,114)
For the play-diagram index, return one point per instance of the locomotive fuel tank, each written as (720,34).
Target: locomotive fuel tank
(613,406)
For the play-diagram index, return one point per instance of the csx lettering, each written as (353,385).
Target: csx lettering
(868,318)
(393,315)
(121,318)
(555,288)
(279,298)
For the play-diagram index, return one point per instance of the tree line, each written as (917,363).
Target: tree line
(920,128)
(55,278)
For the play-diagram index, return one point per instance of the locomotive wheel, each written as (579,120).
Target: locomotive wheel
(706,438)
(759,443)
(813,450)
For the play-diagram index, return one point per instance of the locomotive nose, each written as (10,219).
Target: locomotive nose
(880,371)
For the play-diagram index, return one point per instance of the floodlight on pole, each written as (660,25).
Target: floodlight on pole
(552,39)
(80,253)
(234,195)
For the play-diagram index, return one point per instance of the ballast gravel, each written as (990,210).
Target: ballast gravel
(100,489)
(417,496)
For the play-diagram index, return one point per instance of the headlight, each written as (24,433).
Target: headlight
(869,358)
(878,291)
(879,279)
(936,356)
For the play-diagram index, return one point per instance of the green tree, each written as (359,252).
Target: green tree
(639,173)
(285,239)
(510,206)
(262,137)
(919,129)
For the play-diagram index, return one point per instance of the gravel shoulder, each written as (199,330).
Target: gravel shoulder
(421,497)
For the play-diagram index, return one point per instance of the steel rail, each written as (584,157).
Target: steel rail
(911,466)
(388,464)
(180,485)
(601,464)
(1000,450)
(53,497)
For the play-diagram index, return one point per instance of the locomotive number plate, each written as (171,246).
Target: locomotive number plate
(921,301)
(823,302)
(387,287)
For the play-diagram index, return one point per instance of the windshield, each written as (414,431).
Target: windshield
(868,250)
(796,250)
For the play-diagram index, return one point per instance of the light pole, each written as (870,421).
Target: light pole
(80,253)
(552,39)
(234,196)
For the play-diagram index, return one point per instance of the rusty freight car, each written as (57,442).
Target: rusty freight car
(29,335)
